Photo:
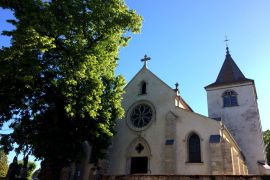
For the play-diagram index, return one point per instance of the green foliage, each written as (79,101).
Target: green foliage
(266,138)
(31,166)
(57,81)
(3,164)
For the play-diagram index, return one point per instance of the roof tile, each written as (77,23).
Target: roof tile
(229,73)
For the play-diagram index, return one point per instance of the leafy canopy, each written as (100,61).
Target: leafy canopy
(266,138)
(57,81)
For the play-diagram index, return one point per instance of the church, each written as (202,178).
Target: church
(161,134)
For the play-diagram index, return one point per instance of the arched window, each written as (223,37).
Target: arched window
(229,98)
(143,88)
(194,148)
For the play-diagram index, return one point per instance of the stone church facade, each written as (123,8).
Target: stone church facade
(161,134)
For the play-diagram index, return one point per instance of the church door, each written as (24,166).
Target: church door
(139,165)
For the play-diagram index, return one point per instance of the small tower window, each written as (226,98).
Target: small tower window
(143,88)
(194,148)
(230,98)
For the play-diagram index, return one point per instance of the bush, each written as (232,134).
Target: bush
(31,166)
(3,164)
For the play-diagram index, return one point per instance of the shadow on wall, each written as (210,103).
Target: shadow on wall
(187,177)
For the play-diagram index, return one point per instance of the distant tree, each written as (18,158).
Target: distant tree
(57,82)
(31,166)
(3,164)
(266,138)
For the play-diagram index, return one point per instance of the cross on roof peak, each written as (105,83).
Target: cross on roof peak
(145,59)
(176,85)
(226,40)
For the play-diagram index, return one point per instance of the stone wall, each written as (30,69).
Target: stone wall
(216,158)
(226,157)
(186,177)
(243,121)
(230,160)
(169,161)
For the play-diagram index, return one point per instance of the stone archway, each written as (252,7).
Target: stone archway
(138,157)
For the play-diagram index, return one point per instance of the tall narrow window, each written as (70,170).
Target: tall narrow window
(230,98)
(194,148)
(143,88)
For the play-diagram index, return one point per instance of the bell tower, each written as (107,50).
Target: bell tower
(233,98)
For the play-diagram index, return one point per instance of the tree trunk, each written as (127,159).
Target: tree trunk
(85,166)
(50,170)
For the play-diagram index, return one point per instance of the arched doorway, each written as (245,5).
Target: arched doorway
(138,157)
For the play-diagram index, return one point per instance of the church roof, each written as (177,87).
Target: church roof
(229,73)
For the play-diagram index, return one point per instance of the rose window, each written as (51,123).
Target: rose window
(141,115)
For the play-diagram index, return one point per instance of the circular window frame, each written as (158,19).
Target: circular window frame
(130,110)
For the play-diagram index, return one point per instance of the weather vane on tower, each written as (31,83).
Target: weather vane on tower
(226,41)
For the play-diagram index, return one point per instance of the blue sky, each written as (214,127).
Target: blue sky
(185,40)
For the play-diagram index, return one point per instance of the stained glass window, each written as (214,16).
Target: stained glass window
(141,115)
(194,148)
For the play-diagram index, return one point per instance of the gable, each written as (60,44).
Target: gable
(146,74)
(146,84)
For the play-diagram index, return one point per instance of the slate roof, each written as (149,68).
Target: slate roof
(229,73)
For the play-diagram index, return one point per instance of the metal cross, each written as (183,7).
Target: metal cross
(145,59)
(226,41)
(176,85)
